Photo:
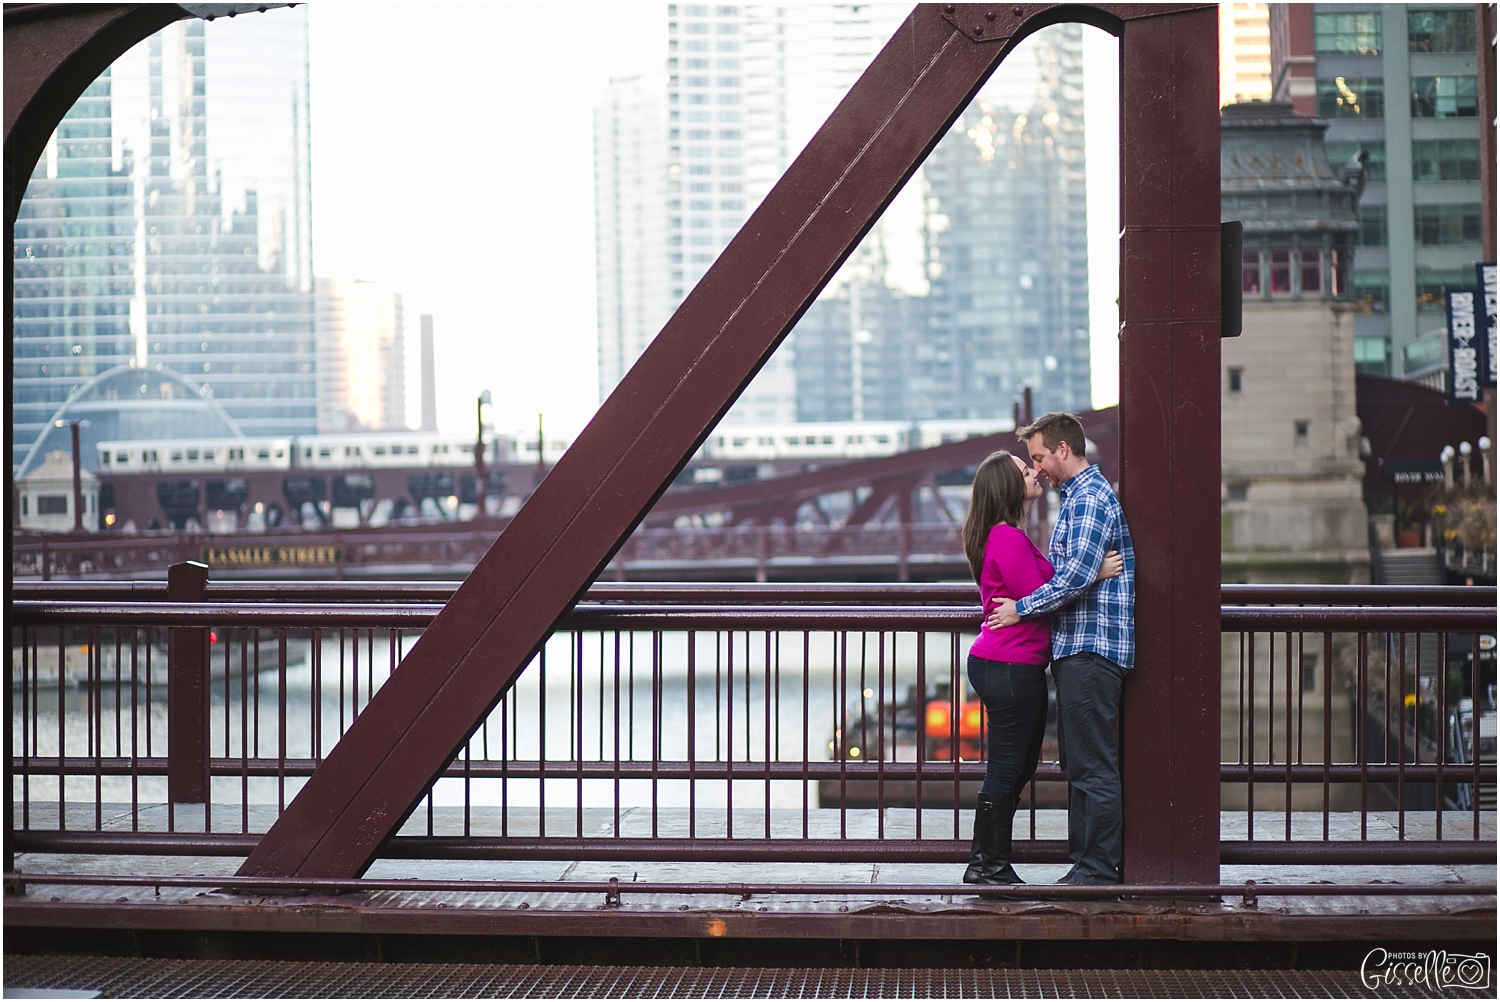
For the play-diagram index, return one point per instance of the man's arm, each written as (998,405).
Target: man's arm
(1094,529)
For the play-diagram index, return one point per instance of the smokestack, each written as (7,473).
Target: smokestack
(429,377)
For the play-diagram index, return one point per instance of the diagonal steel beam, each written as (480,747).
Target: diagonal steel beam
(649,427)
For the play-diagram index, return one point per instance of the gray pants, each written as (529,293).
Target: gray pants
(1088,700)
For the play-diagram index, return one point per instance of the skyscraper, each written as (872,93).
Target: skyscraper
(1399,82)
(168,226)
(361,332)
(1006,259)
(1244,52)
(630,225)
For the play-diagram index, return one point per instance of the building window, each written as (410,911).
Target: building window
(1351,97)
(1372,356)
(1433,283)
(1445,160)
(1356,34)
(1250,273)
(1444,97)
(1339,154)
(1239,492)
(1281,273)
(1372,226)
(1312,271)
(52,504)
(1236,379)
(1301,433)
(1372,290)
(1440,31)
(1447,225)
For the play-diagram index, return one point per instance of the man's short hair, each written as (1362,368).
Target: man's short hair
(1056,427)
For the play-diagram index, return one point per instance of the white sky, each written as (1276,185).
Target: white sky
(452,159)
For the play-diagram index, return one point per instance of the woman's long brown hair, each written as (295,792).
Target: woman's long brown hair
(999,495)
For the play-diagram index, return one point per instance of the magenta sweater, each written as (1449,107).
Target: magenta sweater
(1013,568)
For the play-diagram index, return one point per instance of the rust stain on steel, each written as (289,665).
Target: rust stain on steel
(645,432)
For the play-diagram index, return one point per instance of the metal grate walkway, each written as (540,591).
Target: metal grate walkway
(113,977)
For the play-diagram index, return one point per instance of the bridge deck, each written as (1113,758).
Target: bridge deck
(886,907)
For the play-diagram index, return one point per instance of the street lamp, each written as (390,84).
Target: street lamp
(1485,445)
(479,474)
(77,473)
(1446,458)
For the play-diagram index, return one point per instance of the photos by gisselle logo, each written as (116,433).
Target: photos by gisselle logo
(1433,969)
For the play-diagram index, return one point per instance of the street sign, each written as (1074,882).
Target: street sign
(1486,312)
(1463,347)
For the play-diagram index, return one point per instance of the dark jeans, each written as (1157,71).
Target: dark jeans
(1088,700)
(1015,700)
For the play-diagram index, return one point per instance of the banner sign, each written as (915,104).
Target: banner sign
(1463,347)
(1485,313)
(272,556)
(1416,472)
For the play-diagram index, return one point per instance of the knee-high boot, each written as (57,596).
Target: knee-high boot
(989,854)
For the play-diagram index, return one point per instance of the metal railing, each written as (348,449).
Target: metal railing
(793,723)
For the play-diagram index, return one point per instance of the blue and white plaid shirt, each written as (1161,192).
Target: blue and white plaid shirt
(1090,523)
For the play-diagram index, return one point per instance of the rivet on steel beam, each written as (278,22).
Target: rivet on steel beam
(1016,11)
(979,29)
(948,8)
(989,15)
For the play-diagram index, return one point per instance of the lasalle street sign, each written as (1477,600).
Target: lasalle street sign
(272,556)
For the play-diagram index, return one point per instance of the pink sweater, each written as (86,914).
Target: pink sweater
(1013,568)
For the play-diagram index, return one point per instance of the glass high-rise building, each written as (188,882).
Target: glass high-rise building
(1400,83)
(168,226)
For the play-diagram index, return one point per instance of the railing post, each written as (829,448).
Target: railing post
(187,691)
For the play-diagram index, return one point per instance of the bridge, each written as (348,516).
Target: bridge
(671,774)
(878,519)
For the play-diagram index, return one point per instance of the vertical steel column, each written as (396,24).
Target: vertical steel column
(1169,443)
(187,692)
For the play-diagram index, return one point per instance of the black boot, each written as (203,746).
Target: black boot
(989,856)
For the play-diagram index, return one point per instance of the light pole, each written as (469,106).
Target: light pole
(1485,445)
(1446,458)
(73,426)
(479,475)
(1465,450)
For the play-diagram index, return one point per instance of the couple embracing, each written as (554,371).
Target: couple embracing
(1073,607)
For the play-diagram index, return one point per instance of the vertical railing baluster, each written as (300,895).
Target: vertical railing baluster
(921,640)
(766,746)
(280,722)
(575,685)
(880,736)
(541,757)
(616,726)
(841,746)
(1250,738)
(806,727)
(1327,731)
(1474,721)
(1401,740)
(62,715)
(1441,718)
(245,672)
(1362,732)
(692,729)
(1288,756)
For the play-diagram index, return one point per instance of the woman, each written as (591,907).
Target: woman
(1007,666)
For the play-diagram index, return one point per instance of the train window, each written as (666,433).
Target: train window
(266,454)
(122,457)
(308,454)
(208,454)
(325,452)
(279,454)
(379,450)
(412,450)
(445,450)
(150,456)
(177,456)
(883,439)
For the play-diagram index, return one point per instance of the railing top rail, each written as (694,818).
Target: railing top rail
(690,593)
(611,616)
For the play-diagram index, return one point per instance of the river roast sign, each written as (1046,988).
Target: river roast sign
(272,556)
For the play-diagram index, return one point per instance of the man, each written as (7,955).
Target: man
(1093,640)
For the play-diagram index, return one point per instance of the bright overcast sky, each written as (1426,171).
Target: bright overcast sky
(452,159)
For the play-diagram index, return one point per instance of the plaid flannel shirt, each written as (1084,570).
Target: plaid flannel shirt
(1100,619)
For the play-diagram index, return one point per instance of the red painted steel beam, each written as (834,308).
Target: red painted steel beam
(699,363)
(1169,441)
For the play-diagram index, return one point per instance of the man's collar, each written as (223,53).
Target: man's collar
(1074,480)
